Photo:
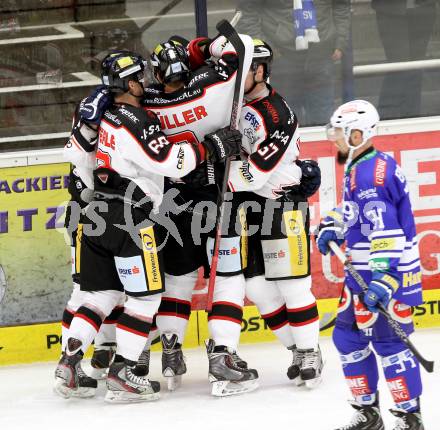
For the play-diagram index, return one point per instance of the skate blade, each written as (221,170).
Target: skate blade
(127,397)
(173,382)
(66,392)
(230,388)
(61,389)
(99,374)
(298,381)
(313,383)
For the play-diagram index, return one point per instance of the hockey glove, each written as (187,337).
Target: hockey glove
(380,290)
(310,181)
(331,229)
(204,174)
(222,144)
(198,52)
(92,108)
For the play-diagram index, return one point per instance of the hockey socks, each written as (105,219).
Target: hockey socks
(131,336)
(84,327)
(271,305)
(224,321)
(175,308)
(302,311)
(278,322)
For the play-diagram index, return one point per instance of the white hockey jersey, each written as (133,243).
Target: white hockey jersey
(271,146)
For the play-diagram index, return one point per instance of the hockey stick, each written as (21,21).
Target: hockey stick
(227,30)
(428,365)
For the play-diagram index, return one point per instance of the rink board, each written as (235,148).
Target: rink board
(42,342)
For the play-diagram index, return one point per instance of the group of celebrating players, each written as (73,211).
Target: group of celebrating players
(139,141)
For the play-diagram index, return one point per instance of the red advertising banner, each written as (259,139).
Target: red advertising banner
(419,156)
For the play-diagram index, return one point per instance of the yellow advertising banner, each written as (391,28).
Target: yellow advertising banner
(34,254)
(42,342)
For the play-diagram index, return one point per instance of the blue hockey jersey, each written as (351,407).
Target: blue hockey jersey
(381,232)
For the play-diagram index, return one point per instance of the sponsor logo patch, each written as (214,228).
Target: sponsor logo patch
(400,312)
(379,172)
(383,244)
(399,389)
(358,385)
(364,318)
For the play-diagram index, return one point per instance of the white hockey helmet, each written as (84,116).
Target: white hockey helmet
(355,115)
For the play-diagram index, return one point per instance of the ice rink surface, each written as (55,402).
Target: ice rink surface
(27,401)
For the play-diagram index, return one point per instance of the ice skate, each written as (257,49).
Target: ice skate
(366,417)
(173,361)
(103,356)
(124,386)
(70,379)
(238,360)
(407,420)
(226,377)
(311,367)
(143,364)
(293,372)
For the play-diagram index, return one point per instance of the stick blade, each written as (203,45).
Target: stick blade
(225,27)
(427,365)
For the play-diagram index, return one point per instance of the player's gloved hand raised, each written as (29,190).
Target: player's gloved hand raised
(380,291)
(310,181)
(331,229)
(93,107)
(222,144)
(198,52)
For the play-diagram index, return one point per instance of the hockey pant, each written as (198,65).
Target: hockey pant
(107,331)
(289,309)
(359,364)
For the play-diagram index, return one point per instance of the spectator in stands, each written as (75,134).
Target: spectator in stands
(308,39)
(405,28)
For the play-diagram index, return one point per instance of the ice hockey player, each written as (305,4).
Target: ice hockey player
(190,101)
(81,195)
(208,88)
(132,158)
(377,225)
(271,176)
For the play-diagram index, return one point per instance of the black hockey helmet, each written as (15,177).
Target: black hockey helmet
(263,54)
(170,62)
(119,67)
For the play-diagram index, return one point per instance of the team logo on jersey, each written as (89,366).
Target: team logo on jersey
(250,135)
(364,318)
(379,172)
(400,312)
(345,300)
